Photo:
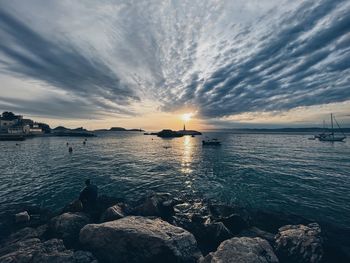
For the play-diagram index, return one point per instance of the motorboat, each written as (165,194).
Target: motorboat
(214,142)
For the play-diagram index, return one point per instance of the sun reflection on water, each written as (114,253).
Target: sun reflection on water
(187,159)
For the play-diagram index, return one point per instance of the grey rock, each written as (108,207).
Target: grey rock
(138,239)
(112,213)
(22,217)
(299,243)
(158,204)
(32,250)
(84,257)
(242,250)
(67,227)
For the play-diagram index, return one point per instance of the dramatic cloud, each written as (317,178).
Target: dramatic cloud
(222,58)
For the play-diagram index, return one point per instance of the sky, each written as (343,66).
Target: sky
(142,64)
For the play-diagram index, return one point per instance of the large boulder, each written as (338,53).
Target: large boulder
(242,250)
(67,227)
(32,250)
(138,239)
(299,243)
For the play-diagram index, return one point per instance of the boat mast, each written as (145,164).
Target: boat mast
(332,125)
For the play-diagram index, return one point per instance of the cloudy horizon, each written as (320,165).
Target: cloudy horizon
(233,64)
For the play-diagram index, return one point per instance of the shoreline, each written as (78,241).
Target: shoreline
(210,223)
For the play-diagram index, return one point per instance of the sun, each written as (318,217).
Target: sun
(186,116)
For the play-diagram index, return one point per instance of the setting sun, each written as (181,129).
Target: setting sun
(186,116)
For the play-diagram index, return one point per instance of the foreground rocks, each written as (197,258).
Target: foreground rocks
(32,250)
(67,227)
(138,239)
(160,228)
(242,250)
(299,243)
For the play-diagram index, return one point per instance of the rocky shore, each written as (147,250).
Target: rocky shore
(160,228)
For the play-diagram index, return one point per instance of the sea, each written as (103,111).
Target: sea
(284,173)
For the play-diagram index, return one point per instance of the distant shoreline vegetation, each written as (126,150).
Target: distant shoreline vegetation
(113,129)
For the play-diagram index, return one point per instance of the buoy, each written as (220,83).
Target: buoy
(70,149)
(84,142)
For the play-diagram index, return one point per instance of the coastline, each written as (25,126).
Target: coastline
(204,223)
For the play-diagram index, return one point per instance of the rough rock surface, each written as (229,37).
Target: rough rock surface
(32,250)
(160,204)
(242,250)
(112,213)
(67,227)
(22,217)
(299,243)
(138,239)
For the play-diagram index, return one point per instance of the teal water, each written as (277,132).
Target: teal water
(275,172)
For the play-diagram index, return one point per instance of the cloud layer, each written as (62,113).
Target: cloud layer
(219,57)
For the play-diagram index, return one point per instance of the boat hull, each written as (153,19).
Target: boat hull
(339,139)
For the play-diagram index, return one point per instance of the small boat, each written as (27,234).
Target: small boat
(331,137)
(215,142)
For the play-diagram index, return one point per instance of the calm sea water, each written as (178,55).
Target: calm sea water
(277,172)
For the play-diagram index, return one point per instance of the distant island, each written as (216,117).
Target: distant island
(167,133)
(78,132)
(113,129)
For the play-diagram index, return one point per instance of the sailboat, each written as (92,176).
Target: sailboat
(331,137)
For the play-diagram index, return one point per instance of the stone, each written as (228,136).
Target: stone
(242,250)
(84,257)
(32,250)
(159,204)
(138,239)
(299,243)
(22,217)
(112,213)
(67,227)
(74,206)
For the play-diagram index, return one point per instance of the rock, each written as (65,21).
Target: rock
(84,257)
(159,204)
(21,235)
(242,250)
(33,251)
(74,206)
(235,223)
(112,213)
(22,217)
(23,247)
(299,243)
(138,239)
(67,227)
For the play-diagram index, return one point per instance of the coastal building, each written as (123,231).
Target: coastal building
(9,120)
(19,129)
(35,130)
(15,124)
